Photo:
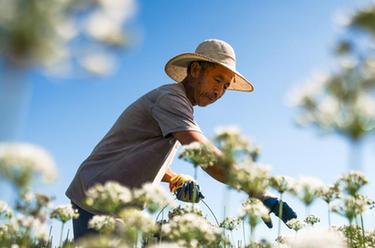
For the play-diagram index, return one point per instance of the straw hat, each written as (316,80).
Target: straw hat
(212,50)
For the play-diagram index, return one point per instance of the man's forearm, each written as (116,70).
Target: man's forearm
(216,173)
(168,175)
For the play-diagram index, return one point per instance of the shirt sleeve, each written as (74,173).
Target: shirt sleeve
(173,114)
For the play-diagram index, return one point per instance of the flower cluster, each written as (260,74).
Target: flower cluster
(307,189)
(153,196)
(295,224)
(254,210)
(191,230)
(5,210)
(21,162)
(46,32)
(109,198)
(230,223)
(311,219)
(198,154)
(64,213)
(103,223)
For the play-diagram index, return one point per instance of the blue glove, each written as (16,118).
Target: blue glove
(189,192)
(273,203)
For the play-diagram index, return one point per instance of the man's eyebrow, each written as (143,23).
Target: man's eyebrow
(220,77)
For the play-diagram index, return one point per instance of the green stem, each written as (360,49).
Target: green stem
(251,234)
(350,235)
(280,214)
(363,232)
(195,172)
(61,234)
(329,215)
(243,232)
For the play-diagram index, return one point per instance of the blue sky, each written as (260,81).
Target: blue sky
(278,45)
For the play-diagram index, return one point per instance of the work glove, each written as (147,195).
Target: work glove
(273,203)
(185,188)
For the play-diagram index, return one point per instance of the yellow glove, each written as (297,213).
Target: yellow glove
(177,181)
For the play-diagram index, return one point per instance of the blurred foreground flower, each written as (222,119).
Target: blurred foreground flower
(315,238)
(295,224)
(191,230)
(64,213)
(306,189)
(109,198)
(21,162)
(103,223)
(5,210)
(352,181)
(152,196)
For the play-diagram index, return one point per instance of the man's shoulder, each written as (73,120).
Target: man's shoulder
(174,89)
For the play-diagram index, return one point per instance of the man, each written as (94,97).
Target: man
(142,143)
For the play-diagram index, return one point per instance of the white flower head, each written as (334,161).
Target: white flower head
(153,196)
(254,210)
(315,238)
(308,91)
(64,213)
(186,229)
(103,223)
(352,181)
(110,198)
(307,188)
(5,210)
(282,183)
(19,158)
(311,219)
(295,224)
(99,63)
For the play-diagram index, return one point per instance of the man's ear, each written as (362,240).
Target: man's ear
(195,69)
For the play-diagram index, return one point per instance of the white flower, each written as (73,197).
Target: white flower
(64,213)
(282,183)
(165,245)
(193,146)
(110,197)
(255,210)
(230,223)
(252,179)
(295,224)
(311,219)
(16,157)
(188,228)
(352,182)
(329,193)
(315,238)
(153,196)
(5,210)
(103,223)
(302,95)
(352,206)
(136,220)
(307,188)
(99,63)
(119,10)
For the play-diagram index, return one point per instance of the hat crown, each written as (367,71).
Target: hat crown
(217,50)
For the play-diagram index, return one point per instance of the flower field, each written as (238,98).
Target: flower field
(162,223)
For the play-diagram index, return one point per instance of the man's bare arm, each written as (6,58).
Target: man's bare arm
(168,175)
(187,137)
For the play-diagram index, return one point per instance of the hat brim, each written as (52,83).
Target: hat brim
(176,69)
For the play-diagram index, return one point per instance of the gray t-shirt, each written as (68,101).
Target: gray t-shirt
(138,145)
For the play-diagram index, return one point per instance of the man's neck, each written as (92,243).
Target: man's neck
(189,90)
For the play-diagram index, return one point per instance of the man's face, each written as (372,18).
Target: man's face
(211,84)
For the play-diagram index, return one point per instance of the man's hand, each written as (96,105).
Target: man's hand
(185,188)
(273,204)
